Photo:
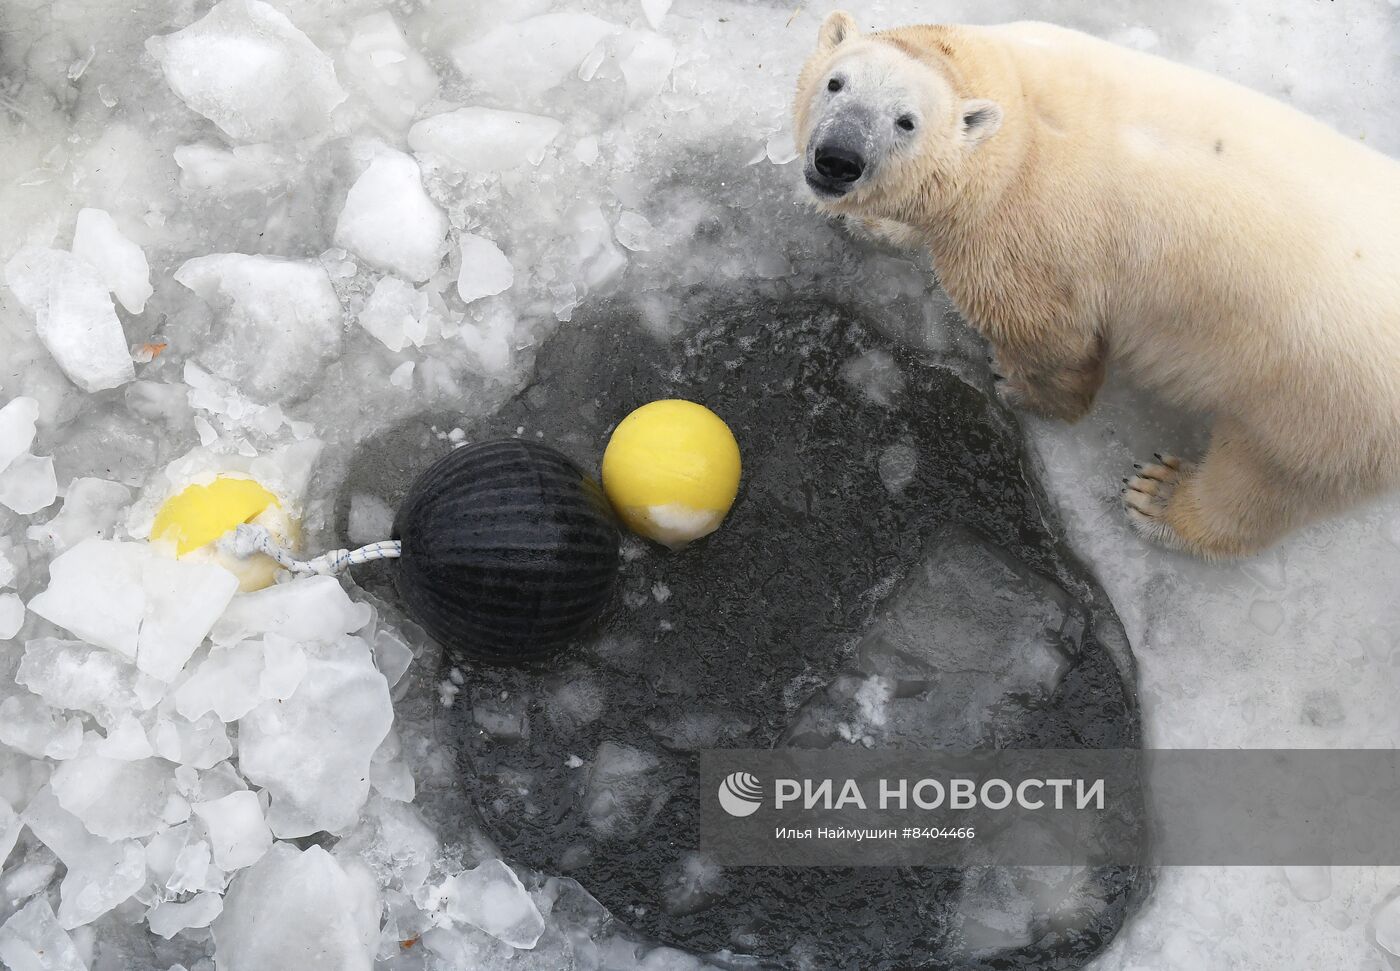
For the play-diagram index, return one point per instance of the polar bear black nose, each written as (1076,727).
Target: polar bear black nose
(839,164)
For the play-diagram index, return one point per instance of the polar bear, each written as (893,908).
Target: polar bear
(1089,206)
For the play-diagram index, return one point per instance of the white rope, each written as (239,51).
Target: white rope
(248,539)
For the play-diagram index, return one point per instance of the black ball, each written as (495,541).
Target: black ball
(509,551)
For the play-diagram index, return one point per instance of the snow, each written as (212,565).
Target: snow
(390,221)
(477,139)
(73,316)
(118,261)
(249,70)
(567,158)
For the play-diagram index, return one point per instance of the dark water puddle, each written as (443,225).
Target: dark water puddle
(888,524)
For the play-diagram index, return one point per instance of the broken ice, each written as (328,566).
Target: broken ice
(389,220)
(484,139)
(119,262)
(33,940)
(280,321)
(524,60)
(73,316)
(491,898)
(238,835)
(251,71)
(131,600)
(485,269)
(298,909)
(312,752)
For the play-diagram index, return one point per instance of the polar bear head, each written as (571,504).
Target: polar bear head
(880,122)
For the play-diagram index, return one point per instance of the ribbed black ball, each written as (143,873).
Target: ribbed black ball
(509,551)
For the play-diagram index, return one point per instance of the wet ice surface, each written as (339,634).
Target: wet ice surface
(826,612)
(624,154)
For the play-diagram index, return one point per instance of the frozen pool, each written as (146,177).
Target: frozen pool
(322,244)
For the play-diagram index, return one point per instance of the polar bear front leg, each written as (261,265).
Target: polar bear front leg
(1230,505)
(1064,390)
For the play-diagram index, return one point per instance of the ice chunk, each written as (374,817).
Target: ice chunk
(485,139)
(101,874)
(389,220)
(73,316)
(78,676)
(193,870)
(655,11)
(226,683)
(491,898)
(95,593)
(131,600)
(201,743)
(281,321)
(1387,923)
(183,599)
(298,909)
(114,799)
(119,262)
(485,269)
(304,610)
(646,65)
(521,61)
(90,510)
(249,70)
(284,665)
(371,518)
(312,752)
(897,465)
(237,832)
(624,791)
(33,940)
(30,726)
(1311,883)
(11,615)
(397,314)
(634,231)
(225,171)
(126,740)
(29,484)
(10,825)
(381,64)
(17,420)
(170,917)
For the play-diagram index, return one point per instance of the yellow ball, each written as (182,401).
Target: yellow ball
(671,470)
(197,517)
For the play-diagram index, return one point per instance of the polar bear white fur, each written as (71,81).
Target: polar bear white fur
(1089,206)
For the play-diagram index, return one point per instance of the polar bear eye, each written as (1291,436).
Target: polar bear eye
(835,84)
(906,122)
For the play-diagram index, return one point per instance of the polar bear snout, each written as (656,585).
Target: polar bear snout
(837,167)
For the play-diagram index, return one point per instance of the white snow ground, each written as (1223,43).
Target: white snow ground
(564,152)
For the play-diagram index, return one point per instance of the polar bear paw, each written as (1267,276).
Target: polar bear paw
(1148,493)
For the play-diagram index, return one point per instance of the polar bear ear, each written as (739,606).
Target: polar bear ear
(981,119)
(837,28)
